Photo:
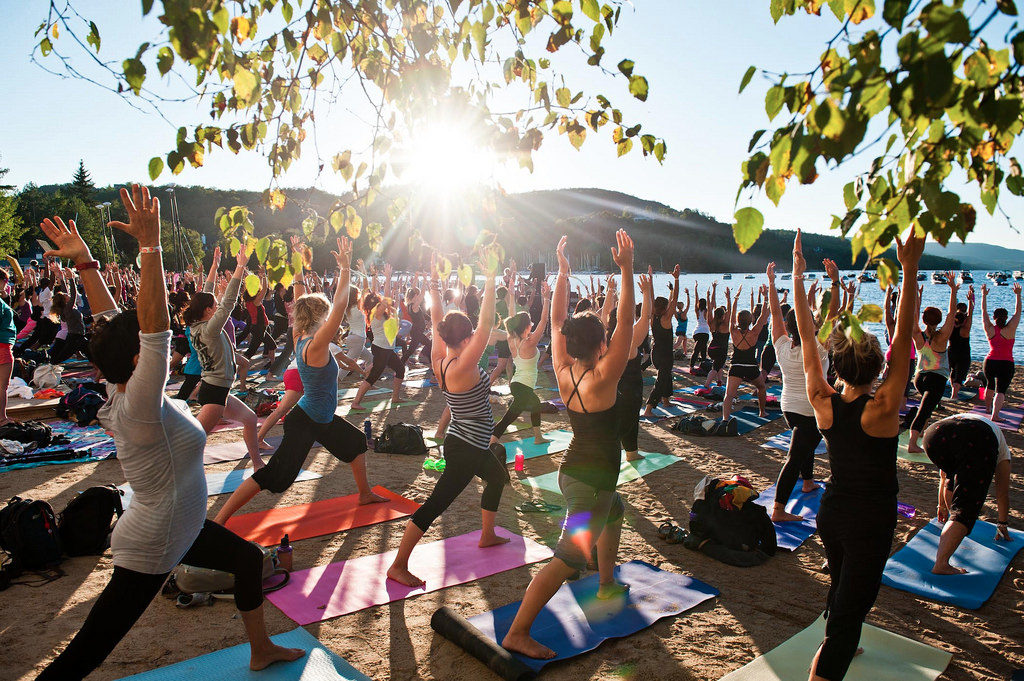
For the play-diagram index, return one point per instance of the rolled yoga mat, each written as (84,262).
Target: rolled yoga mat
(628,471)
(348,586)
(560,440)
(232,664)
(985,559)
(575,621)
(459,631)
(791,535)
(887,657)
(220,483)
(318,518)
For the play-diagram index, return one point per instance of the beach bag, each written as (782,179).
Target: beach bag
(728,428)
(47,376)
(86,522)
(702,369)
(255,399)
(724,514)
(401,438)
(190,579)
(27,432)
(81,405)
(29,536)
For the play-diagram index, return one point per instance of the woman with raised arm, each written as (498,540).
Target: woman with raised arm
(718,349)
(259,324)
(661,353)
(702,333)
(745,367)
(960,344)
(379,310)
(796,408)
(523,337)
(629,396)
(206,319)
(313,419)
(932,362)
(160,449)
(857,518)
(999,367)
(454,357)
(682,321)
(587,367)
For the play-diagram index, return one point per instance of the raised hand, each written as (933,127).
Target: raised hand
(143,216)
(799,264)
(344,253)
(770,272)
(545,290)
(970,293)
(951,280)
(563,261)
(1016,289)
(241,259)
(984,290)
(675,271)
(831,269)
(622,252)
(909,252)
(813,289)
(727,295)
(69,243)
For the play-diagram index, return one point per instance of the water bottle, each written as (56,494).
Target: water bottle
(520,459)
(368,432)
(284,554)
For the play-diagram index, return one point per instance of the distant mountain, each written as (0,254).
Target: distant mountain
(529,226)
(980,256)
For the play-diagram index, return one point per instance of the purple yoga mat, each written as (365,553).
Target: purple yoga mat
(337,589)
(1009,417)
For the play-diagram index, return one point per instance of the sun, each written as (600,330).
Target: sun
(443,158)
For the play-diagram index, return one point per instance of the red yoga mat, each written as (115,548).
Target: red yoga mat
(318,518)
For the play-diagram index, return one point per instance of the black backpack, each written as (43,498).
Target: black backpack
(401,438)
(29,536)
(81,405)
(27,433)
(85,523)
(747,529)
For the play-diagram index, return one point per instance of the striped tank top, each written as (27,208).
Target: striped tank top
(472,420)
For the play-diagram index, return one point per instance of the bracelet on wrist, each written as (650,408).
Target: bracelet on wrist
(150,249)
(89,265)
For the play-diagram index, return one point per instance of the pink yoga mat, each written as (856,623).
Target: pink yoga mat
(337,589)
(1009,417)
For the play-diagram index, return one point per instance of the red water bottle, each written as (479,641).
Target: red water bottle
(520,459)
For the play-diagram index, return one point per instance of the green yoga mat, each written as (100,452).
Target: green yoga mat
(902,453)
(887,657)
(628,471)
(559,443)
(349,393)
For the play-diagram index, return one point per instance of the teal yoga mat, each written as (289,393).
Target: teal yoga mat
(232,664)
(628,471)
(559,443)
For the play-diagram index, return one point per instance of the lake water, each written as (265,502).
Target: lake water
(934,294)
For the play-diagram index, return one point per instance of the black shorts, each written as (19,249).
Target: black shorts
(965,450)
(998,374)
(718,357)
(959,365)
(747,372)
(212,394)
(504,352)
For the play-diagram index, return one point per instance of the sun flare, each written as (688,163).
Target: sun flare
(444,158)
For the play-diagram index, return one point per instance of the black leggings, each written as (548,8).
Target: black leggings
(260,337)
(768,359)
(931,385)
(800,458)
(43,335)
(523,399)
(462,462)
(187,386)
(700,348)
(417,338)
(129,593)
(628,403)
(998,374)
(857,536)
(959,365)
(966,450)
(384,358)
(662,386)
(343,440)
(281,361)
(64,348)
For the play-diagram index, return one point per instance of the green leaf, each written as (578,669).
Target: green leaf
(825,331)
(563,96)
(746,77)
(466,274)
(156,166)
(146,6)
(888,273)
(337,220)
(749,223)
(262,248)
(94,36)
(164,60)
(45,46)
(591,9)
(353,223)
(308,225)
(774,100)
(134,73)
(869,312)
(638,87)
(234,245)
(252,284)
(894,12)
(1007,7)
(244,84)
(391,329)
(626,67)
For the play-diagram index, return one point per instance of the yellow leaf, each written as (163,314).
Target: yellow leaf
(244,82)
(466,274)
(252,284)
(53,30)
(277,199)
(444,267)
(240,27)
(353,223)
(391,330)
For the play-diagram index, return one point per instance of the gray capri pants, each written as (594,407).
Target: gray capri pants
(588,511)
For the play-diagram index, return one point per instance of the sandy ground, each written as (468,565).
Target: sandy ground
(758,608)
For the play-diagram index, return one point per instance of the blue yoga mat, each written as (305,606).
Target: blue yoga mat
(559,443)
(790,536)
(985,559)
(232,664)
(574,621)
(782,440)
(660,413)
(748,420)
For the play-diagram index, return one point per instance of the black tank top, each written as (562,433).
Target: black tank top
(745,357)
(633,375)
(958,345)
(719,341)
(863,466)
(662,354)
(593,455)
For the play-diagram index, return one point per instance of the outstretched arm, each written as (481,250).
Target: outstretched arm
(538,332)
(481,336)
(643,324)
(891,391)
(778,323)
(614,361)
(69,244)
(320,345)
(819,392)
(559,308)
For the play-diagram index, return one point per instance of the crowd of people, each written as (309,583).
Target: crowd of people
(137,326)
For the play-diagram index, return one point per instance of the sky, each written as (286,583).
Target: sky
(693,52)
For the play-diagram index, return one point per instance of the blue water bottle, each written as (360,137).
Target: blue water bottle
(368,432)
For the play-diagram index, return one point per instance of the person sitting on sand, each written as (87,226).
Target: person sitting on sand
(160,449)
(313,419)
(587,368)
(969,450)
(857,518)
(455,356)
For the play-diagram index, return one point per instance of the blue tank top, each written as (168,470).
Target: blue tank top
(192,366)
(319,384)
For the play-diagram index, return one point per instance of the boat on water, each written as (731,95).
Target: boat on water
(965,277)
(938,278)
(866,277)
(726,276)
(749,276)
(921,276)
(786,275)
(1018,275)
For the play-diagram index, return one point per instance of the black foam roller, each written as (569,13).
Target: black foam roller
(459,631)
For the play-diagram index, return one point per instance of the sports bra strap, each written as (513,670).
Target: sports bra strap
(576,390)
(444,372)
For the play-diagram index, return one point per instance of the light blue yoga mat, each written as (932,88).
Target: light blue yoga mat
(748,420)
(219,483)
(559,443)
(628,471)
(985,559)
(232,664)
(661,412)
(790,536)
(782,440)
